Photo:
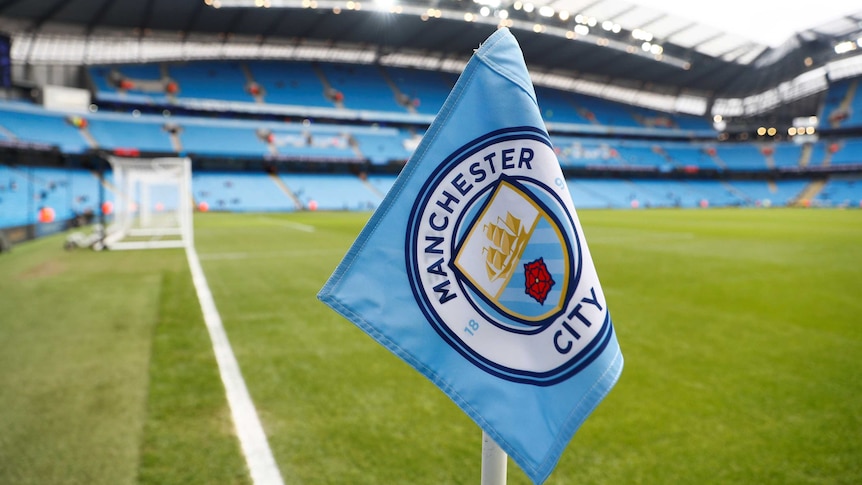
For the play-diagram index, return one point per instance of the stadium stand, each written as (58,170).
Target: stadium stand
(360,87)
(841,192)
(141,83)
(333,192)
(371,147)
(741,156)
(210,80)
(425,91)
(843,105)
(27,123)
(850,152)
(24,191)
(351,87)
(113,132)
(293,83)
(786,154)
(240,192)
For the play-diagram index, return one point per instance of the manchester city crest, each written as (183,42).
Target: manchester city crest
(495,259)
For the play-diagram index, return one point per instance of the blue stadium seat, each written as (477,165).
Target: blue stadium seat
(426,90)
(841,192)
(39,126)
(382,145)
(220,138)
(239,192)
(333,192)
(145,135)
(741,156)
(289,83)
(558,107)
(849,153)
(211,80)
(363,87)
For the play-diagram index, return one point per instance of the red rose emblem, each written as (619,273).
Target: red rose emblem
(538,280)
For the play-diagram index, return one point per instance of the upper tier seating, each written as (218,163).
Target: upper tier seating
(290,83)
(210,80)
(391,90)
(426,90)
(558,106)
(363,87)
(843,105)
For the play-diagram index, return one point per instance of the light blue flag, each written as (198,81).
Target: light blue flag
(475,270)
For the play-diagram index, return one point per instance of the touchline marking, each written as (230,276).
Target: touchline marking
(252,439)
(293,225)
(267,254)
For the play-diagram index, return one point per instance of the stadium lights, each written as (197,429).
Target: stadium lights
(845,47)
(546,20)
(642,35)
(547,11)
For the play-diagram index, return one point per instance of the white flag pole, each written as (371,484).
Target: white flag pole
(493,462)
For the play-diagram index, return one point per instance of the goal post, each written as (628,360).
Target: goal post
(152,203)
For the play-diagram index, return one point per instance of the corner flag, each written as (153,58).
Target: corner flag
(475,270)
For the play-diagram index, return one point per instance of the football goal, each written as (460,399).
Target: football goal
(152,205)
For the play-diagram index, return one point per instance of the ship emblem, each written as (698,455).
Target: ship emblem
(507,238)
(511,253)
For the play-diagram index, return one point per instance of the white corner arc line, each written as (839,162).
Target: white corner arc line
(252,439)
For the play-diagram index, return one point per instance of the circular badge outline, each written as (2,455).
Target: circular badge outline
(571,367)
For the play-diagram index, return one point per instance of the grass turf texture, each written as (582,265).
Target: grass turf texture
(107,375)
(740,330)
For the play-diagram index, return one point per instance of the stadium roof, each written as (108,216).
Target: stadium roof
(635,44)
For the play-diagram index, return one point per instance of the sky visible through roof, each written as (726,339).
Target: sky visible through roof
(767,22)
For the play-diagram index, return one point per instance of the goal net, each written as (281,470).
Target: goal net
(152,203)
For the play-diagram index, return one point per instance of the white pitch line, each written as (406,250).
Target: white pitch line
(298,226)
(252,439)
(293,225)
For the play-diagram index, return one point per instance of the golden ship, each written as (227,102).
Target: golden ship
(507,239)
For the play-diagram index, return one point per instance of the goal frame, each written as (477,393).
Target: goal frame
(136,221)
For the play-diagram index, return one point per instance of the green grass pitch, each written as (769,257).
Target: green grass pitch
(741,330)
